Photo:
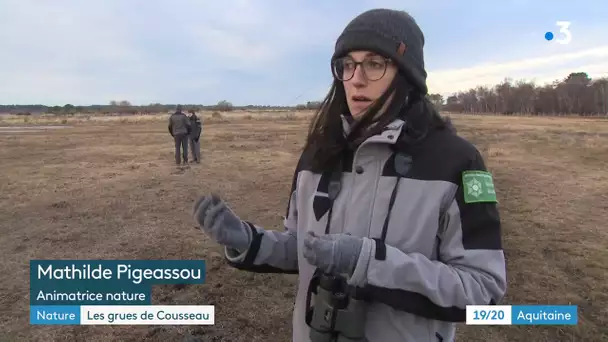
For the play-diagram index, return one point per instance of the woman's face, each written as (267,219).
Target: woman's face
(368,82)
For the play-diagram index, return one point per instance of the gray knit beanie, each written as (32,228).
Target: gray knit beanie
(390,33)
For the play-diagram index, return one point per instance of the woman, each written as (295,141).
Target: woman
(385,196)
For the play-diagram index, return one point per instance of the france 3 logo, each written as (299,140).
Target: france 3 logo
(565,35)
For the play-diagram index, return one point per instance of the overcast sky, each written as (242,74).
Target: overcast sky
(271,51)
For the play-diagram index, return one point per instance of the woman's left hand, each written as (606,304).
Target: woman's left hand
(333,253)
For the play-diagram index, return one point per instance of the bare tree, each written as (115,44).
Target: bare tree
(576,94)
(436,100)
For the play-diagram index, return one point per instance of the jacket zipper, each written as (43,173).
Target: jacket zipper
(350,191)
(378,175)
(355,158)
(375,194)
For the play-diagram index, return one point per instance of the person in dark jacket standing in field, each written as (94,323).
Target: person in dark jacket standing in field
(179,128)
(391,213)
(195,136)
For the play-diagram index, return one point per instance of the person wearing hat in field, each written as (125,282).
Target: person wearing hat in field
(179,128)
(392,222)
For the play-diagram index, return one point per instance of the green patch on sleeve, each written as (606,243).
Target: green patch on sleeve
(478,187)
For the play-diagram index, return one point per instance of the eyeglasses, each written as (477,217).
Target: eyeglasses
(374,68)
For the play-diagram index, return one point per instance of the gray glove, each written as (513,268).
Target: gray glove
(219,222)
(334,253)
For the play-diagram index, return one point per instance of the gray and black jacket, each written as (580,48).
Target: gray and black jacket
(179,124)
(196,127)
(435,255)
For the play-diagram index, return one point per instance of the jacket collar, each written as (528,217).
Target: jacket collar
(389,135)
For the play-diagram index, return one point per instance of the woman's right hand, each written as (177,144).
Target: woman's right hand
(219,222)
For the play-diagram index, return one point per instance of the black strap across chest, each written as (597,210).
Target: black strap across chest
(402,165)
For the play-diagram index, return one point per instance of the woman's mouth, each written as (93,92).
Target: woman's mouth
(360,98)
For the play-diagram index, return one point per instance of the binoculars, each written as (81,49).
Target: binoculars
(338,312)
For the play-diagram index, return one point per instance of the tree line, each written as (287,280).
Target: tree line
(576,94)
(126,108)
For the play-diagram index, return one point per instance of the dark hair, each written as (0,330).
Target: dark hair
(326,140)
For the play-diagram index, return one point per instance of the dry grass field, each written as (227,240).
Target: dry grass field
(108,189)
